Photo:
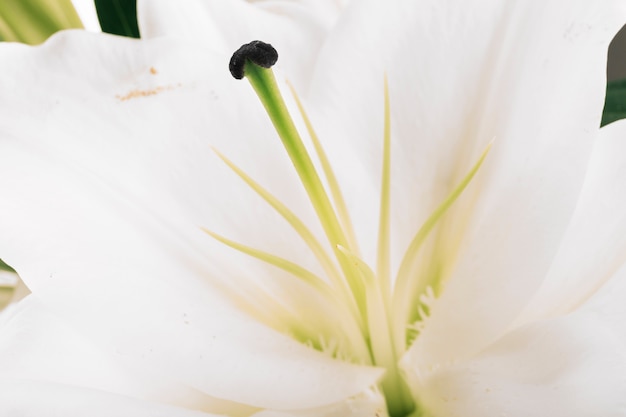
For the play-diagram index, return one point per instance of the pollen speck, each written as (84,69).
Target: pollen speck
(153,71)
(136,93)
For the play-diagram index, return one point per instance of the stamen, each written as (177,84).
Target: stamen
(418,323)
(383,264)
(269,309)
(331,179)
(299,226)
(351,332)
(294,269)
(399,400)
(293,220)
(409,286)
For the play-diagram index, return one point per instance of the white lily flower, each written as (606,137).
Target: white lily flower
(490,285)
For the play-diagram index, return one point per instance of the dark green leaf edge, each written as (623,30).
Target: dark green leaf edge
(118,17)
(615,102)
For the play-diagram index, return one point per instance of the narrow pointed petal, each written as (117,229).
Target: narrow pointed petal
(571,366)
(594,246)
(100,222)
(479,71)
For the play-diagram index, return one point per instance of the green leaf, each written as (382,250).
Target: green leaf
(118,17)
(615,104)
(33,21)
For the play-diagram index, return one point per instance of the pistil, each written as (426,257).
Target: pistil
(250,62)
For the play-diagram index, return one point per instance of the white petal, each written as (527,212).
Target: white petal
(37,345)
(568,367)
(26,398)
(190,20)
(532,183)
(188,88)
(112,278)
(368,404)
(101,252)
(296,29)
(594,246)
(142,117)
(462,73)
(86,9)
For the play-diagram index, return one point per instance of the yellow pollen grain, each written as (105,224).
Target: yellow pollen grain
(136,93)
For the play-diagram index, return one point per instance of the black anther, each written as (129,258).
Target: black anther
(261,53)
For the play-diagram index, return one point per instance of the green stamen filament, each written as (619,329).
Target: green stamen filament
(293,220)
(270,310)
(331,179)
(296,270)
(383,264)
(408,287)
(353,332)
(264,83)
(379,288)
(399,400)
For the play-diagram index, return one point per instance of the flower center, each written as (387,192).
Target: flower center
(376,321)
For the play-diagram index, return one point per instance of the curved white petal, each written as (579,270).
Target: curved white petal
(189,20)
(86,9)
(463,73)
(37,345)
(27,398)
(105,234)
(139,295)
(296,28)
(594,246)
(568,367)
(141,117)
(368,404)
